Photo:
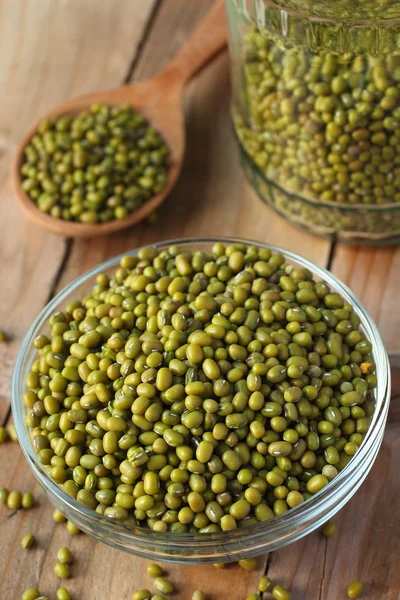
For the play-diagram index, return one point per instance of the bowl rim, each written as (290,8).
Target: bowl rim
(283,525)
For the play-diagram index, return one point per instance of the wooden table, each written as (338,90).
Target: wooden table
(54,49)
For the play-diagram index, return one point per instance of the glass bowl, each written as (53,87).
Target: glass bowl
(222,546)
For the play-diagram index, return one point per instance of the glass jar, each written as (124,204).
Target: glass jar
(316,111)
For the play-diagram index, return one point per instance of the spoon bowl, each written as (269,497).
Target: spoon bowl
(159,100)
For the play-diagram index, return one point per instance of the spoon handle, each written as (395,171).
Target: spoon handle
(207,40)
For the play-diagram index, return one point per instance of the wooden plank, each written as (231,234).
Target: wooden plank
(366,544)
(210,199)
(373,275)
(48,51)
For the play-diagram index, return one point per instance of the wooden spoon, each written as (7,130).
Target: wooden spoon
(159,100)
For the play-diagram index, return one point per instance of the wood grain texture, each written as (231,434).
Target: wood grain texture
(47,52)
(211,198)
(374,276)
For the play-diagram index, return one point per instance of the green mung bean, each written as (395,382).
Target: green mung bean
(58,516)
(164,586)
(28,540)
(281,593)
(265,584)
(72,529)
(154,570)
(141,595)
(3,435)
(355,589)
(27,500)
(62,570)
(14,500)
(30,594)
(329,529)
(249,564)
(64,555)
(3,495)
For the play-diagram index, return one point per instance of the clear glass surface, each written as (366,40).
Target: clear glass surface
(224,546)
(307,102)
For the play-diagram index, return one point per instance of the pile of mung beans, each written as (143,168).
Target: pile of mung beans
(318,122)
(96,166)
(323,124)
(196,391)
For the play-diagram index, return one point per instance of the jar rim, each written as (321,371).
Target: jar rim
(320,26)
(358,12)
